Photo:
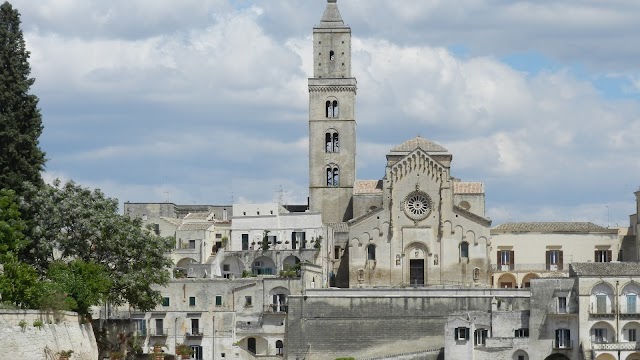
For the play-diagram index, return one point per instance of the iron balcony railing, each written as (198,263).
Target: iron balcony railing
(194,333)
(159,332)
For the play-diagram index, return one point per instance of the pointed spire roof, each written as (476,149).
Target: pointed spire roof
(419,142)
(331,17)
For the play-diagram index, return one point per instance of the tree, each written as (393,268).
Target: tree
(83,284)
(72,222)
(21,158)
(19,283)
(11,224)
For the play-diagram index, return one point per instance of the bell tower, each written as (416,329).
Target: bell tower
(332,121)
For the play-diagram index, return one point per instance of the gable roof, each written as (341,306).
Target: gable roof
(567,227)
(419,142)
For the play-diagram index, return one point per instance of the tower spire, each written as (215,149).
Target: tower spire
(331,17)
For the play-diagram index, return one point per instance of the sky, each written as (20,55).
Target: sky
(206,101)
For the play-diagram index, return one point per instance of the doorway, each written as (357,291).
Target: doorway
(416,272)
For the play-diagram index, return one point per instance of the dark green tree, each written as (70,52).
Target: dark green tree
(85,225)
(82,284)
(11,224)
(21,158)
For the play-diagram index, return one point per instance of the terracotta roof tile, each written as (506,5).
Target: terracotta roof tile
(468,187)
(367,187)
(552,227)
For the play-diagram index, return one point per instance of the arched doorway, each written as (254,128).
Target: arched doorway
(605,357)
(263,265)
(634,356)
(507,281)
(526,281)
(232,267)
(417,265)
(557,357)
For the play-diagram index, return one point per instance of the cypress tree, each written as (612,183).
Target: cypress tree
(21,159)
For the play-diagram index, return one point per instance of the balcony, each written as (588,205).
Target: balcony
(562,345)
(140,332)
(629,315)
(194,333)
(276,308)
(539,267)
(617,346)
(159,332)
(594,314)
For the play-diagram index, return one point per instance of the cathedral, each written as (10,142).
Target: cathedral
(418,225)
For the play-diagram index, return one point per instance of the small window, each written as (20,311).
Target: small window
(279,348)
(632,335)
(248,301)
(218,236)
(480,337)
(562,305)
(336,252)
(165,301)
(218,300)
(371,252)
(223,355)
(196,352)
(563,339)
(245,241)
(226,267)
(192,301)
(331,109)
(476,274)
(461,333)
(522,333)
(464,249)
(333,176)
(192,244)
(332,55)
(602,256)
(599,335)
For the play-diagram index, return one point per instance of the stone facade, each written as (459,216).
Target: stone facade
(20,338)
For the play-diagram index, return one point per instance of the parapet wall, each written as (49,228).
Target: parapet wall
(20,339)
(373,323)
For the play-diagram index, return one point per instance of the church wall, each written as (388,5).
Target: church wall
(475,201)
(373,230)
(326,324)
(363,203)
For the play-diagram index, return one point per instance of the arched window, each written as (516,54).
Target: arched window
(333,175)
(331,139)
(371,252)
(331,109)
(328,142)
(464,249)
(279,348)
(476,274)
(332,55)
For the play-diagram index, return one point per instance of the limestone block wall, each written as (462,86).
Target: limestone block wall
(62,332)
(368,323)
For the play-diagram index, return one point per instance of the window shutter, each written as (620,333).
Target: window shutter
(609,256)
(511,259)
(498,257)
(466,333)
(455,333)
(595,256)
(560,260)
(548,258)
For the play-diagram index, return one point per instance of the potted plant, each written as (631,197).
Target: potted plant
(65,354)
(185,351)
(157,347)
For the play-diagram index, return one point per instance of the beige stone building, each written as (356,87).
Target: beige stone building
(525,251)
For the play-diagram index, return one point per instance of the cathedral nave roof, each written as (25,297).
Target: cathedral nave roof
(419,142)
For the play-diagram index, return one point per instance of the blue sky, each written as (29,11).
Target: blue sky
(206,101)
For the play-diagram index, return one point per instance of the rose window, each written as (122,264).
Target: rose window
(417,205)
